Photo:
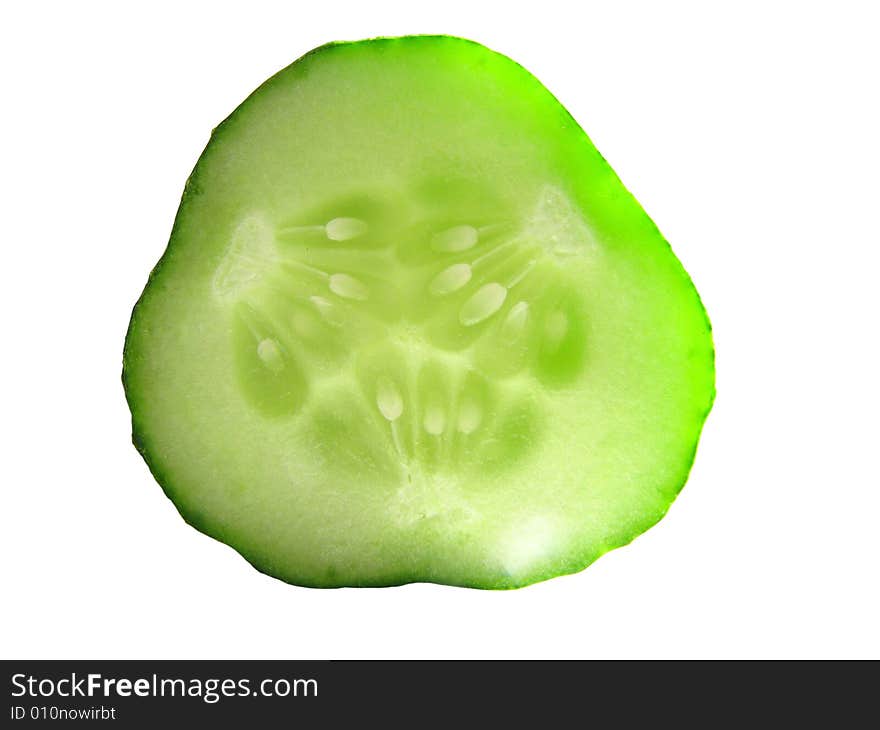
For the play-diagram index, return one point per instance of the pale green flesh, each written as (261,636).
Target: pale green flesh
(410,326)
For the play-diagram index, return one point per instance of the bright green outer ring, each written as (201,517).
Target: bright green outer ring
(193,516)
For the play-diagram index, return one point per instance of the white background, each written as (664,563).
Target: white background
(750,135)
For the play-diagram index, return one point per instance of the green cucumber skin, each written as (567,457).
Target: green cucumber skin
(201,522)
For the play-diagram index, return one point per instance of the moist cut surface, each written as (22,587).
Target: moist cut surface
(411,327)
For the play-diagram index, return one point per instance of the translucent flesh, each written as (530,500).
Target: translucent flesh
(410,326)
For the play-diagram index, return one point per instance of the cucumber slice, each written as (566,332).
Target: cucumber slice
(410,326)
